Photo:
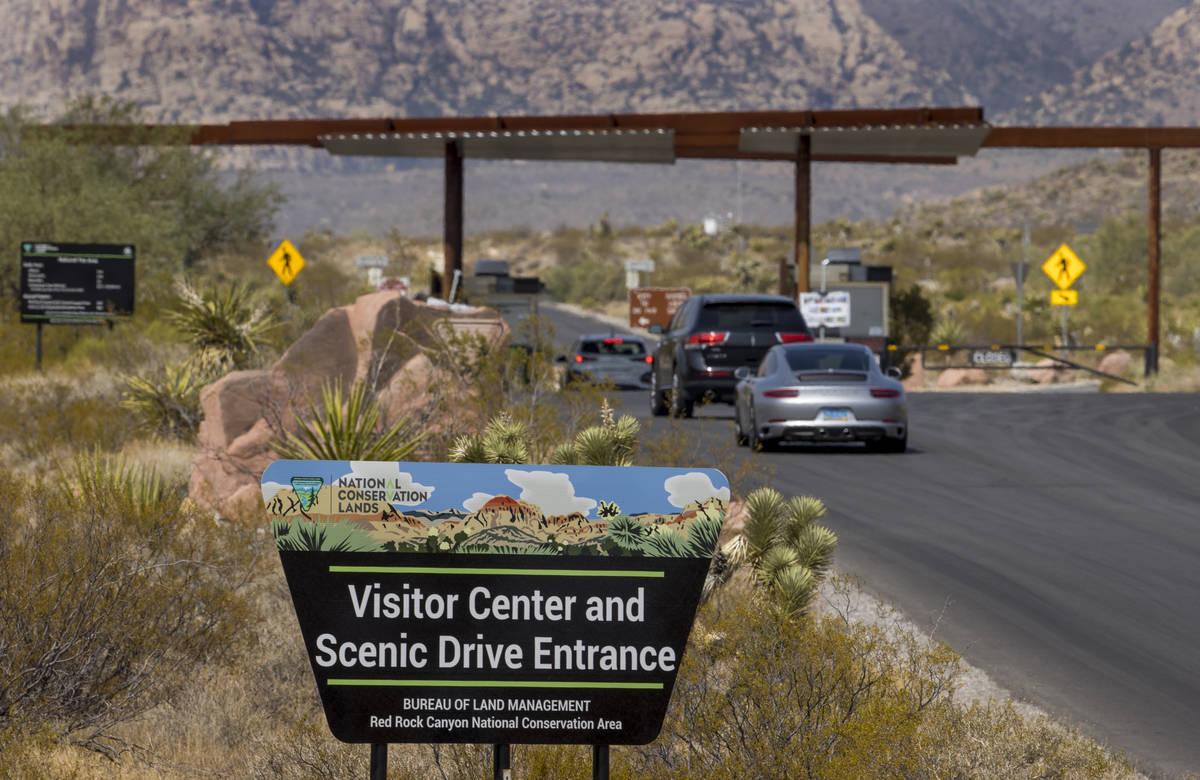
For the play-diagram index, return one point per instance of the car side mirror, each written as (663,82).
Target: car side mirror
(741,372)
(655,328)
(894,372)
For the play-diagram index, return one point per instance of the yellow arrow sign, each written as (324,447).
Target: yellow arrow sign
(1064,297)
(1063,267)
(286,262)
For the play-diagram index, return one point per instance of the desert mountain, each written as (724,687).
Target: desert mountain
(1148,81)
(213,60)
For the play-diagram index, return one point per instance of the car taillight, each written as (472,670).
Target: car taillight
(792,338)
(581,359)
(883,392)
(708,338)
(649,358)
(788,392)
(614,341)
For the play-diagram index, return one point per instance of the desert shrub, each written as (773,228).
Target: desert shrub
(579,279)
(111,592)
(44,415)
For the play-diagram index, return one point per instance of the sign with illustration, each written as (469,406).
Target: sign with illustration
(826,309)
(1063,267)
(75,284)
(494,603)
(286,261)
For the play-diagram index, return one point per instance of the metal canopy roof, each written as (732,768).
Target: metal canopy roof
(630,146)
(909,141)
(902,135)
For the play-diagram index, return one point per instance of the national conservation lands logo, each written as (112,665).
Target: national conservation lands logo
(491,603)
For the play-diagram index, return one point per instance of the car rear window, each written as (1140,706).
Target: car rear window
(818,359)
(737,316)
(613,347)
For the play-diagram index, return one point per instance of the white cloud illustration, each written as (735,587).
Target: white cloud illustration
(693,486)
(553,492)
(269,489)
(477,500)
(399,486)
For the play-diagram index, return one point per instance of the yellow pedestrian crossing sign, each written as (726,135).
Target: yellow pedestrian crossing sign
(286,262)
(1063,267)
(1064,297)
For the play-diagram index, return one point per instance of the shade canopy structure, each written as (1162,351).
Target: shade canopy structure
(921,136)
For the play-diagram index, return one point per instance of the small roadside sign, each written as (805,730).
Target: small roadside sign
(1064,297)
(655,305)
(1064,267)
(286,262)
(826,310)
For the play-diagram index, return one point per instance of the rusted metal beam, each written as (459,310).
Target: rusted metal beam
(1092,137)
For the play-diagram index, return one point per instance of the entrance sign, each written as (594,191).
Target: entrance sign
(286,262)
(826,309)
(494,603)
(1064,297)
(655,305)
(1063,267)
(76,284)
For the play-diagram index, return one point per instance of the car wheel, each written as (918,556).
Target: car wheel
(739,435)
(756,441)
(658,401)
(680,407)
(888,444)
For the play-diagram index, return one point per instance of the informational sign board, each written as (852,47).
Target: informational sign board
(494,603)
(76,284)
(370,261)
(655,305)
(1064,297)
(828,309)
(286,261)
(1063,267)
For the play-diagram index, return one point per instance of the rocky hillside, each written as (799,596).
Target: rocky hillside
(214,60)
(1148,81)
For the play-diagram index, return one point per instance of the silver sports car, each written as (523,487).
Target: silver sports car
(821,392)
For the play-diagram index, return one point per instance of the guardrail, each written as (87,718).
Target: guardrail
(1005,356)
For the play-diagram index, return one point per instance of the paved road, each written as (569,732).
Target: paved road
(1052,538)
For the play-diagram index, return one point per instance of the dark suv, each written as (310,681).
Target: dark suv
(710,337)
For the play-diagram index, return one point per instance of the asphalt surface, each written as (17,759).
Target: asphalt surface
(1051,538)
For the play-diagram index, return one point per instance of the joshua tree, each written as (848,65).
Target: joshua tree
(782,543)
(506,440)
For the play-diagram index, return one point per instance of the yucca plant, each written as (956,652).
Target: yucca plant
(167,403)
(224,324)
(347,427)
(504,440)
(782,543)
(611,443)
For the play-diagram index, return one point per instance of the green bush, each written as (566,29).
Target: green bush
(111,592)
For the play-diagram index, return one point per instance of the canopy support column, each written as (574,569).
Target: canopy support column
(452,217)
(802,226)
(1153,281)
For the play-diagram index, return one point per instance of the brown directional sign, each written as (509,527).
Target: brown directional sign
(655,305)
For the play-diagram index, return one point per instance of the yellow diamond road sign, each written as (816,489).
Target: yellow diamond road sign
(1064,267)
(1064,297)
(286,262)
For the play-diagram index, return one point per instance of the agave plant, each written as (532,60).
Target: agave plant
(347,428)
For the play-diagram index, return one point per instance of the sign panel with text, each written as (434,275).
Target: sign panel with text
(826,309)
(655,305)
(494,603)
(76,284)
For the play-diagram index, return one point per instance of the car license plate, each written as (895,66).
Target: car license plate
(835,415)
